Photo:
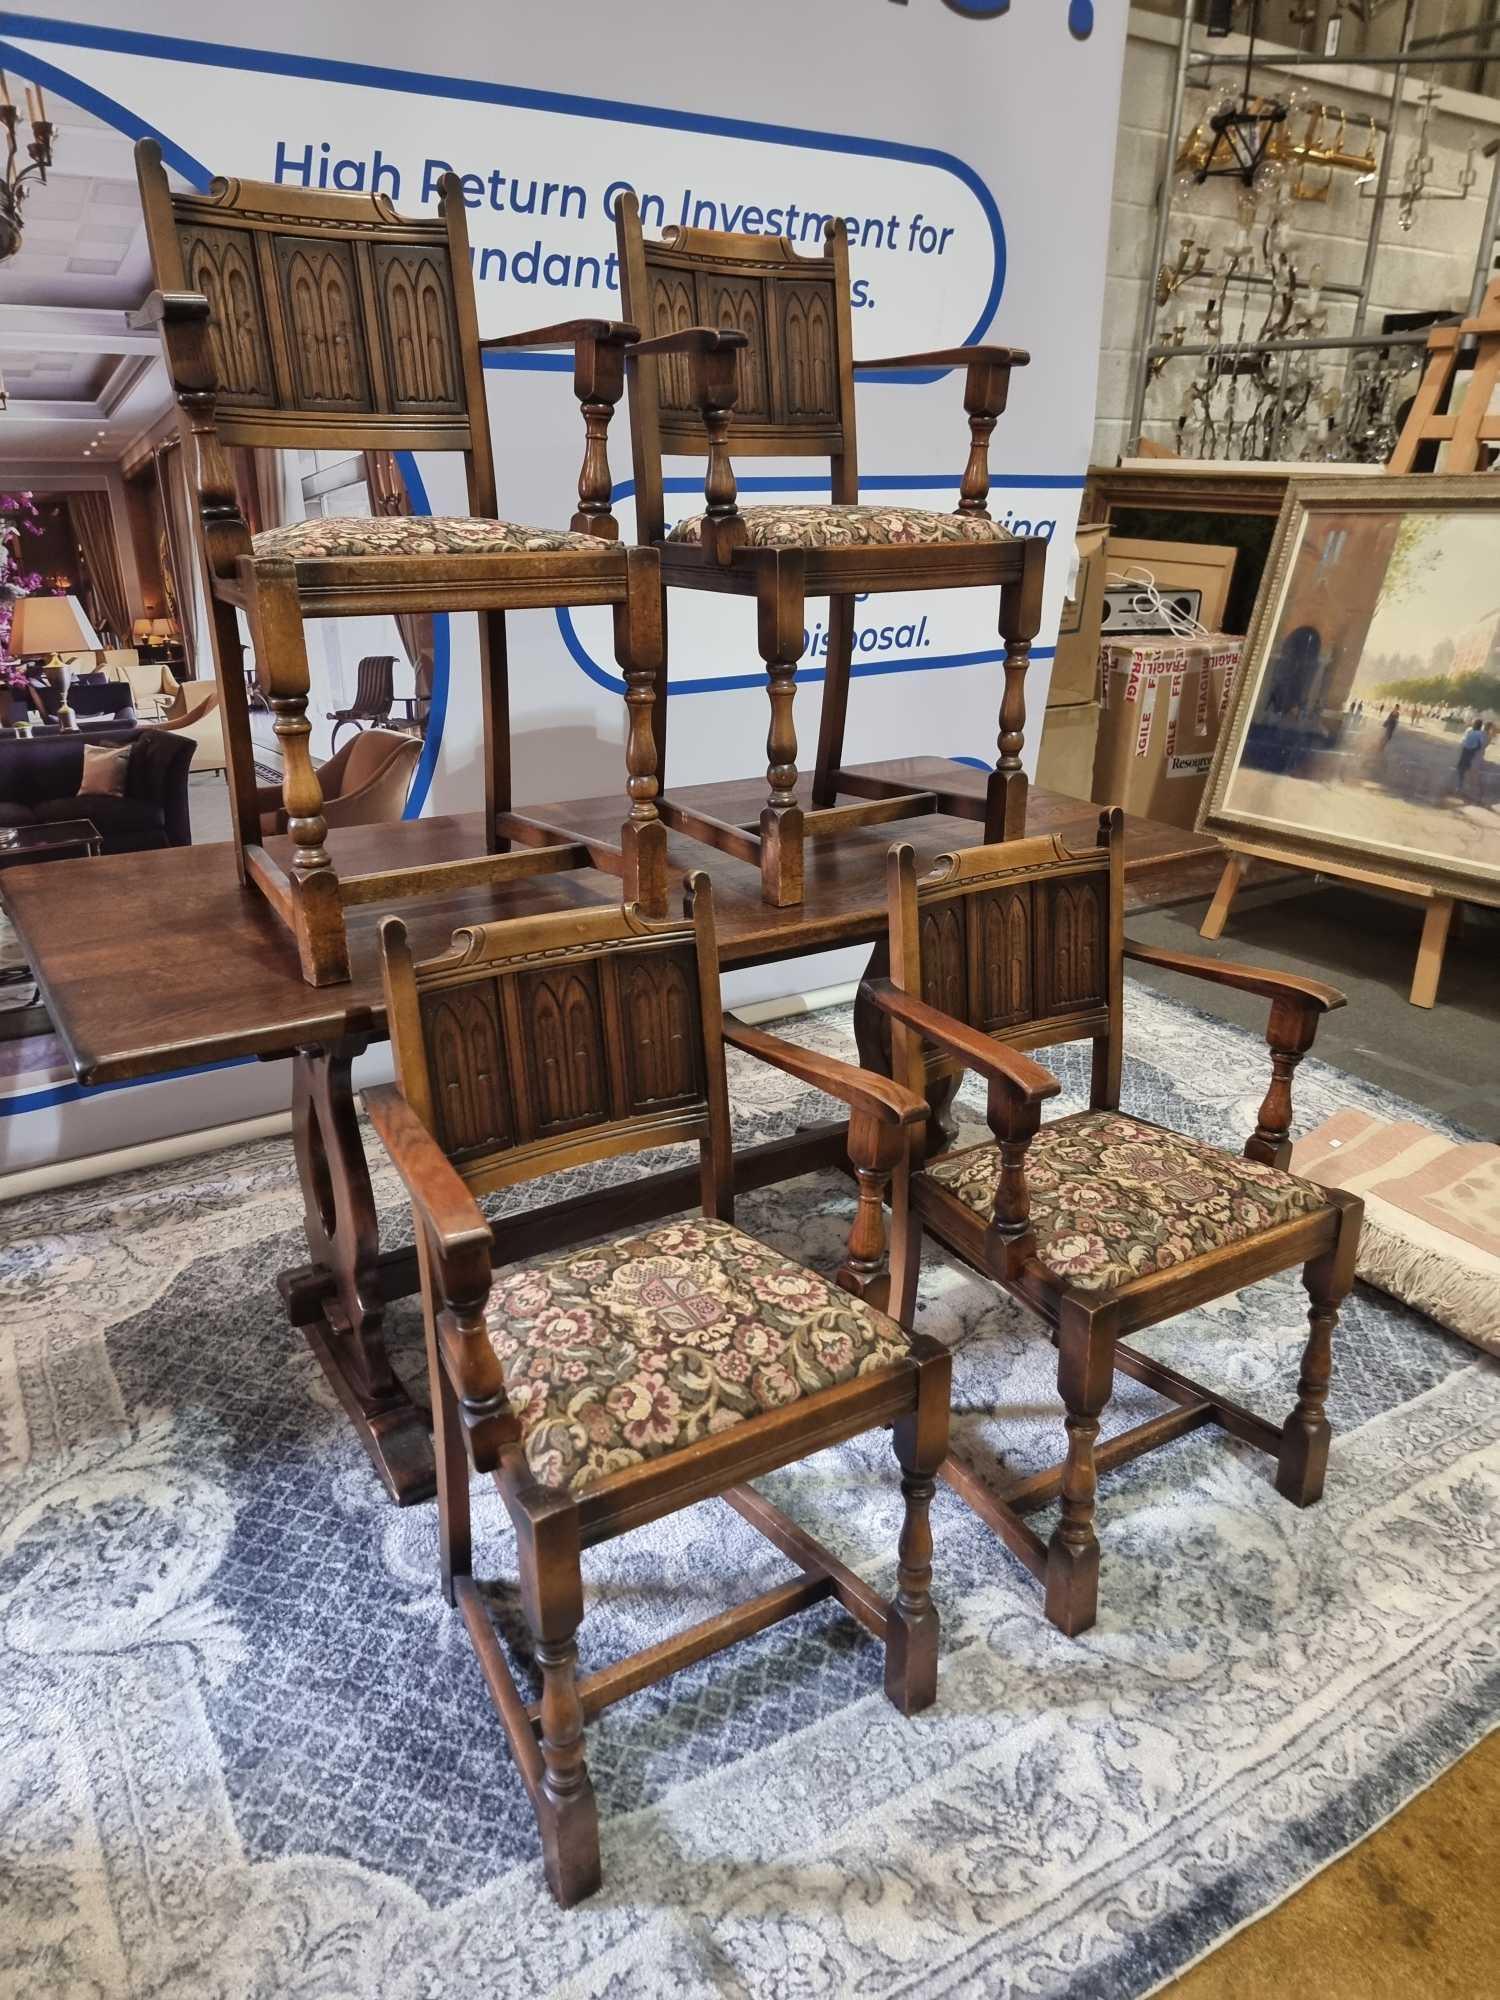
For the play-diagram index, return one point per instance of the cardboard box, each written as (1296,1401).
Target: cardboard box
(1065,762)
(1207,567)
(1162,703)
(1075,663)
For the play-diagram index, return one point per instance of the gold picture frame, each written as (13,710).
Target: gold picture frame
(1368,588)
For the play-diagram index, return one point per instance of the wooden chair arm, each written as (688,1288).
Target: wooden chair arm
(986,386)
(1246,978)
(1297,1006)
(1018,1076)
(462,1249)
(693,340)
(451,1216)
(954,357)
(169,309)
(599,347)
(567,333)
(862,1090)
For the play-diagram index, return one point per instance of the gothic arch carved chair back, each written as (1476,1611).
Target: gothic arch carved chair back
(748,347)
(609,1386)
(1099,1222)
(293,318)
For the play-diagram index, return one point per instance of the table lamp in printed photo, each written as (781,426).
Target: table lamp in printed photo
(45,628)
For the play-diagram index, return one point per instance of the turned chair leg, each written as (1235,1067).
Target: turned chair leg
(1020,619)
(831,720)
(641,651)
(780,614)
(1085,1376)
(911,1640)
(1302,1462)
(552,1597)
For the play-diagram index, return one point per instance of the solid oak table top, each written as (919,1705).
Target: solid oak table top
(159,961)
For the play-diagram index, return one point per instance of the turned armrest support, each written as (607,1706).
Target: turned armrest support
(1006,1069)
(599,347)
(986,386)
(458,1238)
(882,1117)
(862,1090)
(713,384)
(1297,1006)
(1018,1089)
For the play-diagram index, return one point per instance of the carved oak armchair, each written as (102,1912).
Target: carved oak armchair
(743,334)
(1099,1222)
(296,318)
(606,1387)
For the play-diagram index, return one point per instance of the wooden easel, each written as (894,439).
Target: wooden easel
(1465,429)
(1435,924)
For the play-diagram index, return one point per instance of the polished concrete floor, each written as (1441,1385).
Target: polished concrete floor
(1446,1058)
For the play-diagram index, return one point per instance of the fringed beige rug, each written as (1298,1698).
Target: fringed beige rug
(1432,1215)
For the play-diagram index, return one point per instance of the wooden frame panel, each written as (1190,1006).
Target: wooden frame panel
(1013,939)
(334,319)
(531,1058)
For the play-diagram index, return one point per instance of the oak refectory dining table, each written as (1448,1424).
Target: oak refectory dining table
(161,962)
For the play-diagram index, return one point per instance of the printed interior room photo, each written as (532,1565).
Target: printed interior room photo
(104,624)
(749,921)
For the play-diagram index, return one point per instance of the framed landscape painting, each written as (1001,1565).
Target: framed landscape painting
(1364,725)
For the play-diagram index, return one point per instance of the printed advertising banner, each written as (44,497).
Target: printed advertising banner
(969,146)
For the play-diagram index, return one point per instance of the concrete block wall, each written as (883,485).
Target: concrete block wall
(1430,268)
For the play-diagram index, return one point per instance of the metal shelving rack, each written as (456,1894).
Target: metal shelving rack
(1456,45)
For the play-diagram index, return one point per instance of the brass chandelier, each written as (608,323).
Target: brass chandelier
(18,178)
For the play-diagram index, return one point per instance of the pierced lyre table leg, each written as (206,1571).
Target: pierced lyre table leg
(343,1241)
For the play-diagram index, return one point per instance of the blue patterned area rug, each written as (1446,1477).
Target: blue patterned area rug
(245,1749)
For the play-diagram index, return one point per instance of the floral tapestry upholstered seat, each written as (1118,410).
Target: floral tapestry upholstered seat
(1114,1199)
(834,527)
(414,535)
(621,1353)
